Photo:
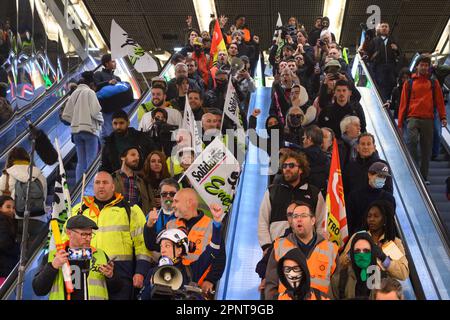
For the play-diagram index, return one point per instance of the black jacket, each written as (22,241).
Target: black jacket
(44,278)
(103,77)
(358,202)
(355,173)
(111,153)
(380,53)
(172,91)
(320,167)
(9,247)
(333,114)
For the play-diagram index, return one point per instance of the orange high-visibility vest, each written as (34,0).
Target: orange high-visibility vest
(321,263)
(313,295)
(200,234)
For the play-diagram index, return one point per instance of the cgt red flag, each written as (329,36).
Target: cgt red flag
(217,43)
(336,215)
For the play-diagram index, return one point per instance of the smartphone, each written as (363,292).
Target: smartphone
(80,254)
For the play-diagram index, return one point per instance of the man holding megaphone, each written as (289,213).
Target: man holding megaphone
(199,257)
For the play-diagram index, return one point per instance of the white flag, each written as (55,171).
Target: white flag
(277,32)
(190,124)
(231,110)
(215,175)
(123,45)
(61,206)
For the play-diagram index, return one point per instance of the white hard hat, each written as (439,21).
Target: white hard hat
(177,236)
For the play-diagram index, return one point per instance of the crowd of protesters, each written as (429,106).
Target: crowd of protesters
(144,213)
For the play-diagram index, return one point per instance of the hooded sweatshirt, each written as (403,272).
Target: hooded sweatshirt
(83,111)
(346,282)
(299,293)
(266,143)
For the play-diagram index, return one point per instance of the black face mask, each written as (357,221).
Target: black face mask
(275,127)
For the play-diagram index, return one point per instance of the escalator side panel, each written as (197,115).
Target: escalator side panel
(240,281)
(420,232)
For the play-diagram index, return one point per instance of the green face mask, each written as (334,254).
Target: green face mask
(362,260)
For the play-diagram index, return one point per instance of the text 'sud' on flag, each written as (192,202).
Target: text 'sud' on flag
(215,175)
(232,111)
(61,206)
(336,222)
(190,124)
(124,45)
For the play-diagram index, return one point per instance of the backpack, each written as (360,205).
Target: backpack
(36,198)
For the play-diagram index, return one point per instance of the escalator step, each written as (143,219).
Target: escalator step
(443,172)
(437,188)
(439,164)
(439,197)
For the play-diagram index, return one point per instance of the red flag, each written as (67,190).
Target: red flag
(336,216)
(217,43)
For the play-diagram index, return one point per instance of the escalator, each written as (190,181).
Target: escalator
(7,291)
(240,281)
(419,222)
(41,113)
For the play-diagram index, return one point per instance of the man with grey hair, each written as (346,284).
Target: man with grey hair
(181,70)
(351,129)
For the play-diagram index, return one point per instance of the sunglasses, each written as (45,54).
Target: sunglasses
(168,194)
(289,165)
(289,269)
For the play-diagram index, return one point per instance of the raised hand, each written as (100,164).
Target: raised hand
(256,112)
(152,218)
(217,212)
(189,21)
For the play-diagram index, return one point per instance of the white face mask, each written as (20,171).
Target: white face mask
(293,275)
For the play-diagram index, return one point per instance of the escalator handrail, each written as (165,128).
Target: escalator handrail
(76,193)
(20,112)
(434,213)
(8,285)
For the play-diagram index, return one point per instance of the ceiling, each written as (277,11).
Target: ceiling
(416,24)
(161,23)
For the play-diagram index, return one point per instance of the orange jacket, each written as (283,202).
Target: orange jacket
(421,101)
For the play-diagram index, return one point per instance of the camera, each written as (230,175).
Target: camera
(80,254)
(321,43)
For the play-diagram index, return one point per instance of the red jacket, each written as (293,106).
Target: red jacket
(421,102)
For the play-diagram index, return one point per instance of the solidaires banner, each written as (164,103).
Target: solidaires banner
(215,175)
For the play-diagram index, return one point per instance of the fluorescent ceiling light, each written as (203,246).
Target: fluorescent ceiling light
(443,46)
(334,9)
(203,11)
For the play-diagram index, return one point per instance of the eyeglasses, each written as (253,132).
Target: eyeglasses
(296,216)
(289,165)
(168,194)
(361,251)
(289,269)
(85,235)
